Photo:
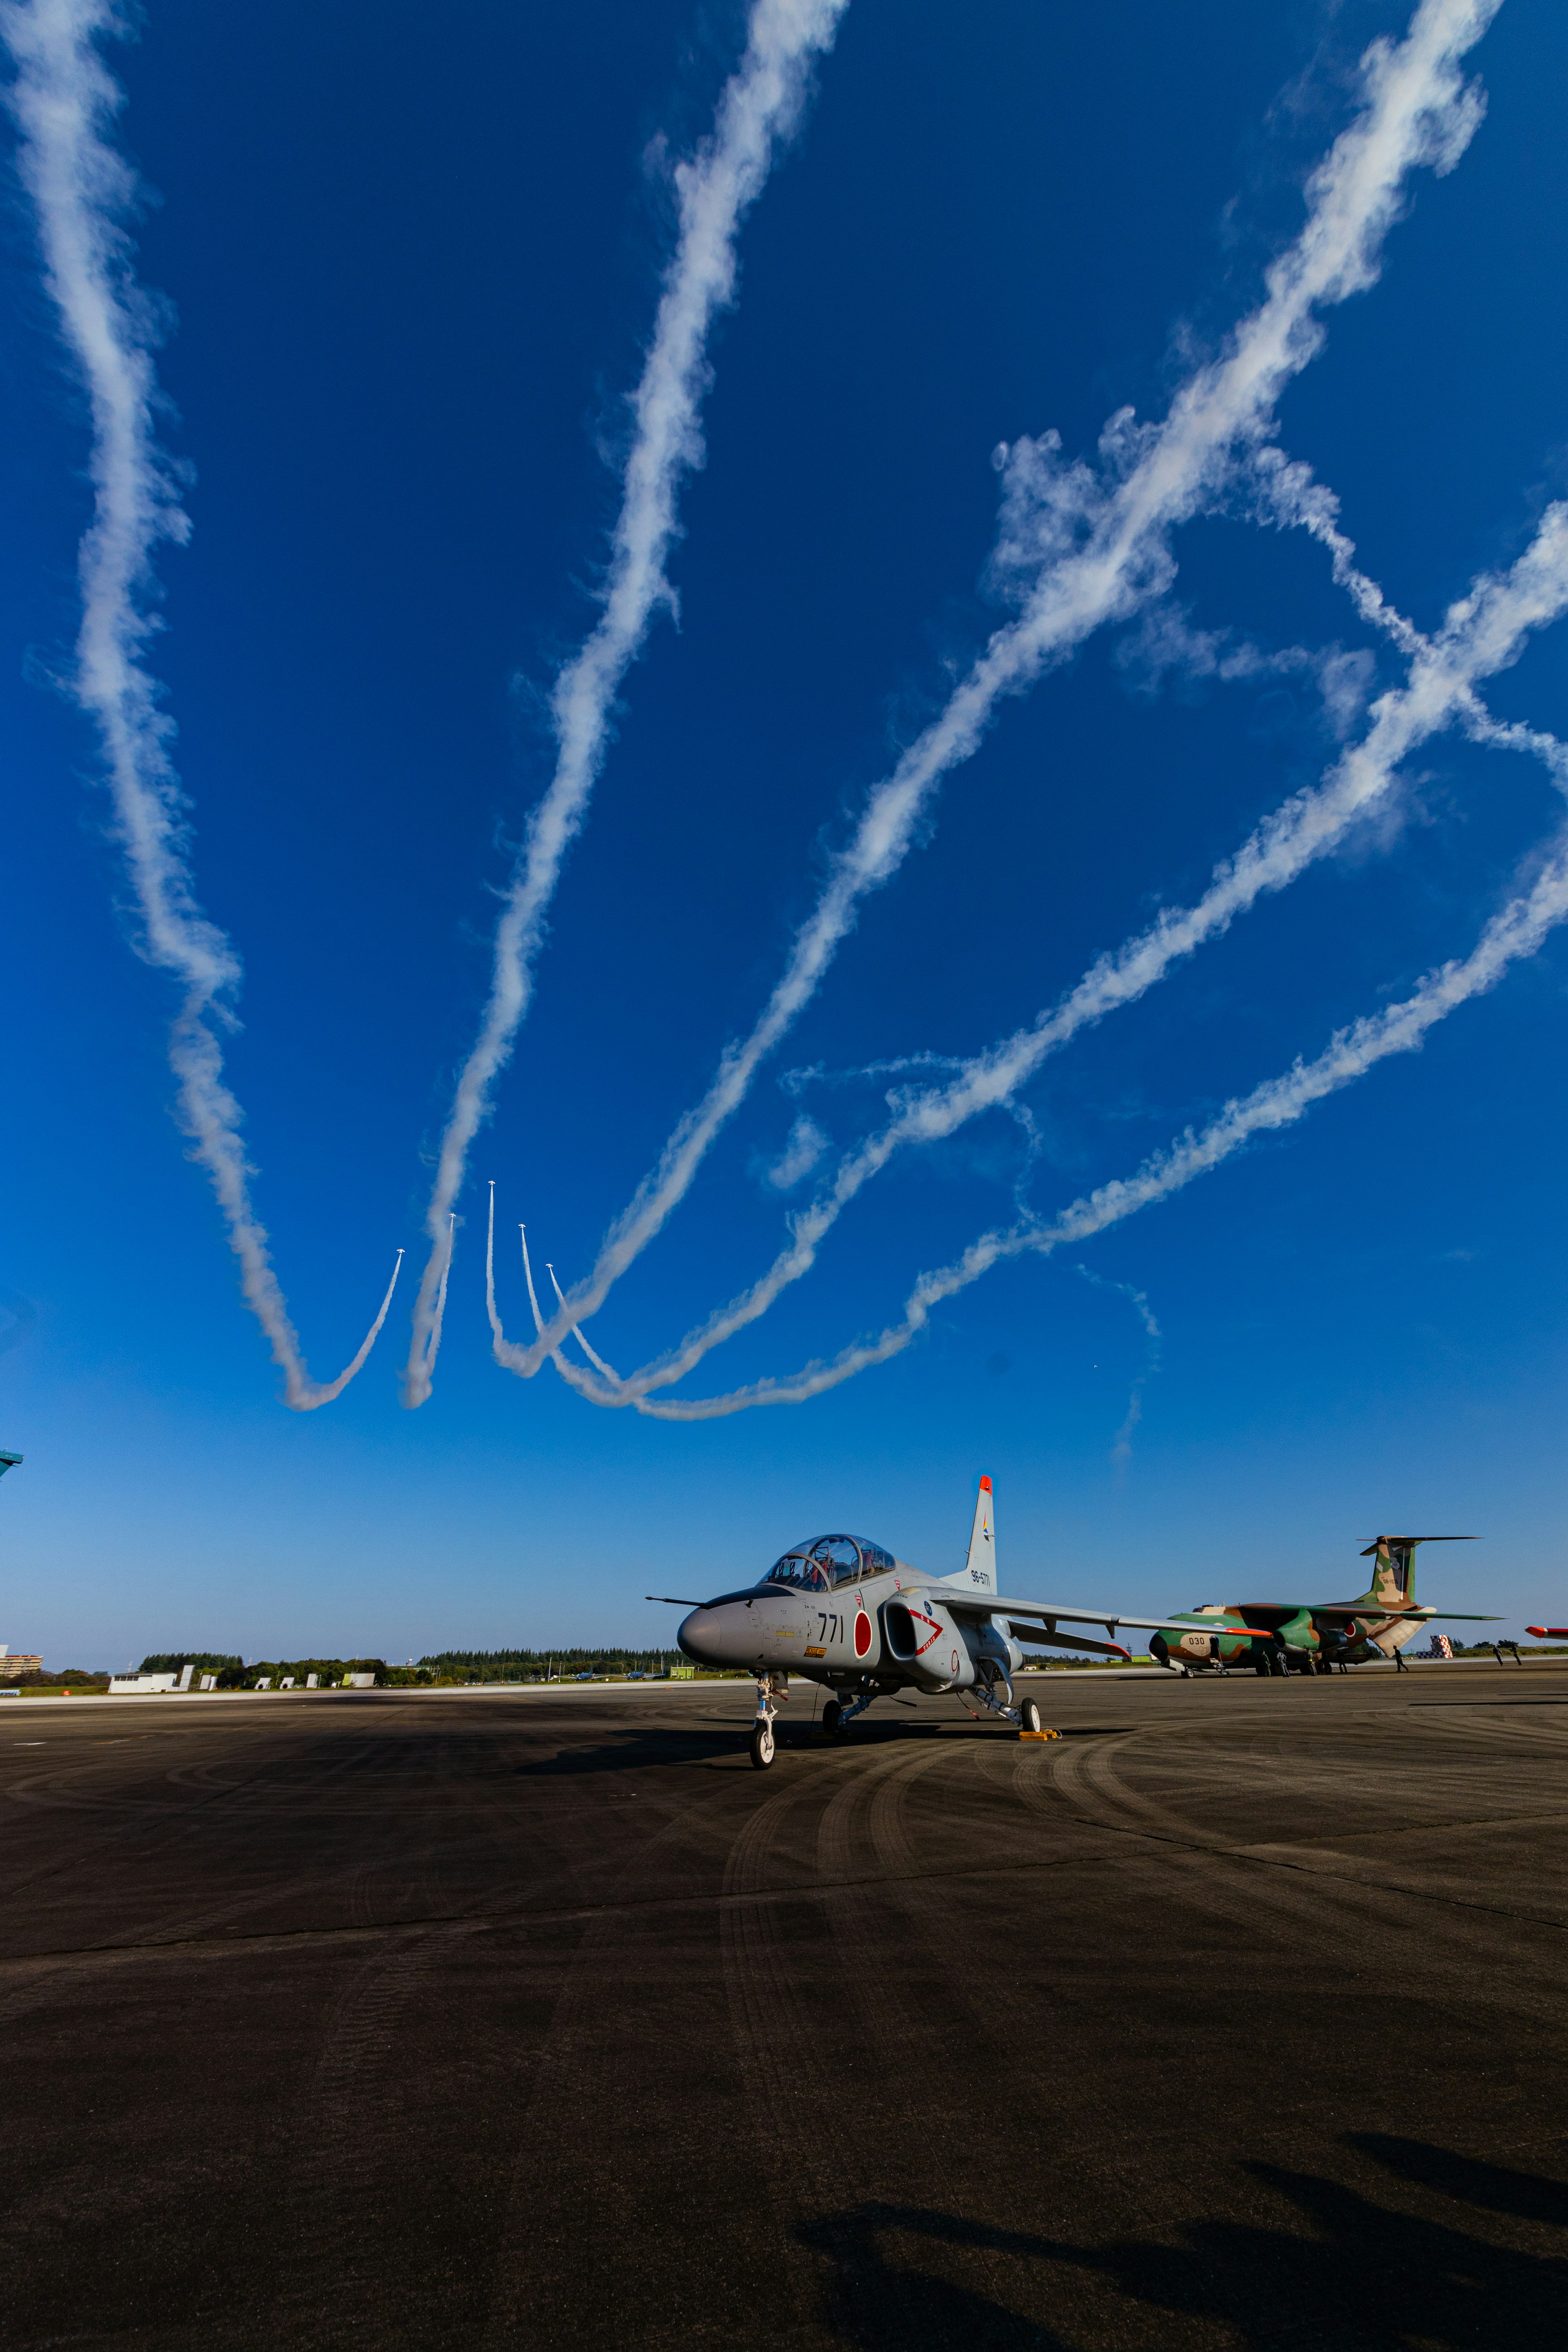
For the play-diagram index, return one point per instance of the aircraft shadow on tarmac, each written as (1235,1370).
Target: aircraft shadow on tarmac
(1368,2276)
(625,1751)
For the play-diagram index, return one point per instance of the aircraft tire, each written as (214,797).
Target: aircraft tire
(830,1717)
(762,1745)
(1029,1716)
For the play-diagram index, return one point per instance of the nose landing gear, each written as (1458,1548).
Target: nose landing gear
(772,1692)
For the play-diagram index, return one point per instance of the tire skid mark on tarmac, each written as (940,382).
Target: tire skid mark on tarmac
(168,1821)
(1314,1899)
(1439,1818)
(1509,1735)
(869,1811)
(808,2141)
(800,2137)
(1309,1906)
(1447,1801)
(573,2060)
(341,2148)
(730,1902)
(1318,1913)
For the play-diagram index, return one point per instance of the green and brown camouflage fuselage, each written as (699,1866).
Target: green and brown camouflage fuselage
(1308,1636)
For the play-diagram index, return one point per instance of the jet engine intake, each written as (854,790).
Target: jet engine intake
(922,1639)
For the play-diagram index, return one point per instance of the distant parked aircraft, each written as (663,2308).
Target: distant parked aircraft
(1276,1637)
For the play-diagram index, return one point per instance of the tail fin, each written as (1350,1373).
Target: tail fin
(978,1573)
(1392,1582)
(1394,1578)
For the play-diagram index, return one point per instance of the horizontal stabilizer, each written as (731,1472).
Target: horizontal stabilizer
(1409,1543)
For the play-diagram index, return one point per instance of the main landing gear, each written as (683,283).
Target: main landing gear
(839,1713)
(995,1692)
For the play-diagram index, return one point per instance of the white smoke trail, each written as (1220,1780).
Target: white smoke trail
(1288,495)
(65,102)
(1097,549)
(1481,633)
(1153,1338)
(1516,933)
(757,111)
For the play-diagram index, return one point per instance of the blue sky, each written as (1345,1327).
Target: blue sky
(412,276)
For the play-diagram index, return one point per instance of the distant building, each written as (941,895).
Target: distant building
(359,1682)
(18,1662)
(128,1685)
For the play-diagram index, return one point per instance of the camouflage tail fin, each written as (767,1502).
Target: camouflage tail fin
(1392,1582)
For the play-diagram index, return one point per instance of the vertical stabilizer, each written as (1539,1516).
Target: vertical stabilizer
(978,1573)
(1392,1584)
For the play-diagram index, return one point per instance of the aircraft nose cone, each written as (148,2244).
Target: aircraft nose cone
(701,1637)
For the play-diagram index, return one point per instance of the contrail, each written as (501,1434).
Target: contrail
(1108,547)
(1516,933)
(757,111)
(1121,1445)
(1483,632)
(65,102)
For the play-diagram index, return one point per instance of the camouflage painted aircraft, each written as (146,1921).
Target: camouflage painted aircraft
(1279,1637)
(845,1614)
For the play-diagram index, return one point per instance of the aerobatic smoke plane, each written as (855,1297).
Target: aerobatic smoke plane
(1280,1637)
(845,1614)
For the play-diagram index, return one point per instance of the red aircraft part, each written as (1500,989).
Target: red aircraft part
(1549,1633)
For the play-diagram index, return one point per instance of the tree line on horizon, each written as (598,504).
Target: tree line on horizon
(442,1665)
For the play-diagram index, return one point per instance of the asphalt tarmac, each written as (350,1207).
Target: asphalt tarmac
(1233,2018)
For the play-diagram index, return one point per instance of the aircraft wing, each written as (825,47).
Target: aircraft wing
(959,1604)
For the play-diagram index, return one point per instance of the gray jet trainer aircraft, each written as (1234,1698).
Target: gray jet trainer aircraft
(845,1614)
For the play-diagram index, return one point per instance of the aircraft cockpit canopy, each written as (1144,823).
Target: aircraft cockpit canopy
(818,1565)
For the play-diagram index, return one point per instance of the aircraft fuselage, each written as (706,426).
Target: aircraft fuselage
(888,1627)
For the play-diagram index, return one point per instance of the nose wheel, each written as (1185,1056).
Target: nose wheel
(762,1746)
